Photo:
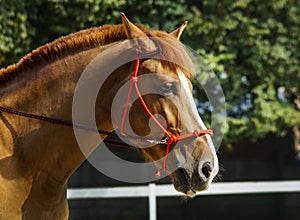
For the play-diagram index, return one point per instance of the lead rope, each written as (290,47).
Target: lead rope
(171,138)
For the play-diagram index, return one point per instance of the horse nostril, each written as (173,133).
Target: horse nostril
(206,169)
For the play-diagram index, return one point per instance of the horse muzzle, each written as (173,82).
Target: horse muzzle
(189,184)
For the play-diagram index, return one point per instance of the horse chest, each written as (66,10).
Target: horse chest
(20,200)
(13,192)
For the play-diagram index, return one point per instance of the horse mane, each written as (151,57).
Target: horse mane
(84,40)
(72,43)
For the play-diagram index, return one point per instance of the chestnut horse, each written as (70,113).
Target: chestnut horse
(37,158)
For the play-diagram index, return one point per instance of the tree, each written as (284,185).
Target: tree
(252,46)
(14,39)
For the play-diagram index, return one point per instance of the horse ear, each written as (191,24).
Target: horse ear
(177,33)
(132,31)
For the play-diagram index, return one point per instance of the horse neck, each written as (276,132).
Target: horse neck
(46,90)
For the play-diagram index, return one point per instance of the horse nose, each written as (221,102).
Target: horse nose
(206,169)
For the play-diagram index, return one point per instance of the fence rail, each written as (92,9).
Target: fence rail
(152,191)
(167,190)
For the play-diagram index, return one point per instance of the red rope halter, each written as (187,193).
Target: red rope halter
(171,138)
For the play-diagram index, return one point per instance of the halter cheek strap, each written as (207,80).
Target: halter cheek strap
(171,139)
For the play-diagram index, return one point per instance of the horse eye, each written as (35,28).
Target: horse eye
(168,88)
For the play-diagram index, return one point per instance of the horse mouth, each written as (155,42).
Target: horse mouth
(187,184)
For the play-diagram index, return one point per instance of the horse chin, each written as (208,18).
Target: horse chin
(188,185)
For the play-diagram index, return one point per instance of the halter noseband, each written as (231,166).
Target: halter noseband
(171,139)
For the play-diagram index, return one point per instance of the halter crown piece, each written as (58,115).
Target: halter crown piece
(171,139)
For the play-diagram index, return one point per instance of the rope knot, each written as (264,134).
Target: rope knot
(134,79)
(198,133)
(158,174)
(173,139)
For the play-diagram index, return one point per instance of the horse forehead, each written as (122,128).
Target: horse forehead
(155,66)
(151,65)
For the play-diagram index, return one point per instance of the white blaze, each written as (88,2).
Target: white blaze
(185,84)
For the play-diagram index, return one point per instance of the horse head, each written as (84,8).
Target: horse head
(167,94)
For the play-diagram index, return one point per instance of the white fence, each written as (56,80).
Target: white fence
(152,191)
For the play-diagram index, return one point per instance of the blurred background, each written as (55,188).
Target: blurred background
(253,46)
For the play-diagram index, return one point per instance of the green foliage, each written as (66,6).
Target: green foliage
(14,39)
(252,45)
